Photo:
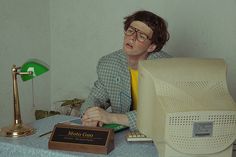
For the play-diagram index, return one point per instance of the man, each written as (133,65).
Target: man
(144,36)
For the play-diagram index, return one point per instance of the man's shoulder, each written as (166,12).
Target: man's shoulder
(159,54)
(111,63)
(114,57)
(115,54)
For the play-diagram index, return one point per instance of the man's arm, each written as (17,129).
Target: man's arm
(97,114)
(98,95)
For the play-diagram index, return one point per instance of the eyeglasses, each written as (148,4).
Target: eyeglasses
(140,36)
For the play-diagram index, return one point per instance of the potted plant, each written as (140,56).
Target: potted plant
(71,103)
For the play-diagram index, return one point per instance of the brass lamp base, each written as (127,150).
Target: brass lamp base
(19,130)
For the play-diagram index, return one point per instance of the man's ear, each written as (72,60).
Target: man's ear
(152,47)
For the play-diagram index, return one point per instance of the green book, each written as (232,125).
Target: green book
(115,127)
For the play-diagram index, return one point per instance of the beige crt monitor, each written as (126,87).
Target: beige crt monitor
(185,107)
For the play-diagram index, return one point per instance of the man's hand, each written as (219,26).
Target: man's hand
(96,116)
(91,123)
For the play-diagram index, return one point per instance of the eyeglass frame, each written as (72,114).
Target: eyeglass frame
(138,33)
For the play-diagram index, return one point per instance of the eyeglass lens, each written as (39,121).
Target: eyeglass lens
(139,35)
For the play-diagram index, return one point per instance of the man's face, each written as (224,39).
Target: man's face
(137,40)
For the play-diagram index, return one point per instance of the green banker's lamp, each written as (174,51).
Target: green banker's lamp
(32,68)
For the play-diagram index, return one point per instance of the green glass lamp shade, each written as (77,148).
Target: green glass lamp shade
(37,67)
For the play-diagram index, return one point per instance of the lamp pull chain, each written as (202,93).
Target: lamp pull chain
(33,104)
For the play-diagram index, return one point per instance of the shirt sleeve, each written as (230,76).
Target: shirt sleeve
(132,120)
(98,95)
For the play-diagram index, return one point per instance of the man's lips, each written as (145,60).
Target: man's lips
(128,45)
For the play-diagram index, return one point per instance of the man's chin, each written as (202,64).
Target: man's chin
(128,51)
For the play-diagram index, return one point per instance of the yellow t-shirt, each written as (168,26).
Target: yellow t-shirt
(134,87)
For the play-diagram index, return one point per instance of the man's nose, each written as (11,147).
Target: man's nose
(134,36)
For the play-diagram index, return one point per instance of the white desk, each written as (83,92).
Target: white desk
(38,146)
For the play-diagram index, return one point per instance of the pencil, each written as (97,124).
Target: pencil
(45,133)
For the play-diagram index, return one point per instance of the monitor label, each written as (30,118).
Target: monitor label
(202,129)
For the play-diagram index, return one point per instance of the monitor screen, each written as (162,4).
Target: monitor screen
(184,105)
